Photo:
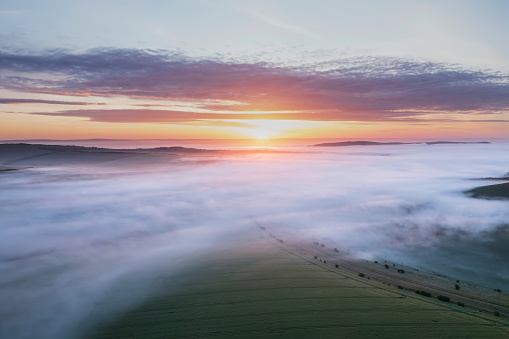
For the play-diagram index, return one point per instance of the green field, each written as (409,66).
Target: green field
(267,289)
(491,191)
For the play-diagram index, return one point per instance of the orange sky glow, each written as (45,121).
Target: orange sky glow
(138,94)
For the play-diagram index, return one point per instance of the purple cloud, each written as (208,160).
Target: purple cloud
(362,89)
(39,101)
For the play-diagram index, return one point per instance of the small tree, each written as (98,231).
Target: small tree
(444,298)
(424,293)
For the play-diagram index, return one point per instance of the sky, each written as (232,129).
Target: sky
(254,69)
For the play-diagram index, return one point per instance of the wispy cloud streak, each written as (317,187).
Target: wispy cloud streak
(185,117)
(10,13)
(41,101)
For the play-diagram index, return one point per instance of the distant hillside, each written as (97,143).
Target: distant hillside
(17,156)
(500,191)
(70,148)
(176,149)
(173,149)
(374,143)
(22,155)
(456,142)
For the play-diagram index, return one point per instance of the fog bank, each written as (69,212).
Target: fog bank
(69,236)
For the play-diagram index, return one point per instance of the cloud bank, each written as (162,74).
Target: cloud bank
(359,89)
(71,237)
(41,101)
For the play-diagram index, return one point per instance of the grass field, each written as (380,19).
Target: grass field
(491,191)
(267,289)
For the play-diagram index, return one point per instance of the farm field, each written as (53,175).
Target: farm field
(269,289)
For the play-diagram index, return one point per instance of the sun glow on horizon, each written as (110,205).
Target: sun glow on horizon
(262,134)
(269,129)
(264,129)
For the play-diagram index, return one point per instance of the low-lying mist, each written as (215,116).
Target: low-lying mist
(69,236)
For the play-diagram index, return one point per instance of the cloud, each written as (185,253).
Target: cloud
(358,89)
(278,23)
(10,12)
(183,117)
(170,116)
(40,101)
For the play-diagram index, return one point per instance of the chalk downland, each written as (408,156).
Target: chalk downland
(265,288)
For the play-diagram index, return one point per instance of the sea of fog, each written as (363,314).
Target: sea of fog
(71,236)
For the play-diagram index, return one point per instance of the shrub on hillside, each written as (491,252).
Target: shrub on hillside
(424,293)
(444,298)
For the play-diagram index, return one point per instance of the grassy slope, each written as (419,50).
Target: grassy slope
(481,298)
(270,290)
(491,191)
